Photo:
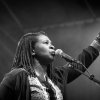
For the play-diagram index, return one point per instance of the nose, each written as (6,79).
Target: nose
(52,47)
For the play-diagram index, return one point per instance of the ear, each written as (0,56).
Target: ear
(33,52)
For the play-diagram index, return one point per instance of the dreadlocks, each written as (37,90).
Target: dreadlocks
(23,57)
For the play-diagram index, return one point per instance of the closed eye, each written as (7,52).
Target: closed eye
(46,42)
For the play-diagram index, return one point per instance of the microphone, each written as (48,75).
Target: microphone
(66,56)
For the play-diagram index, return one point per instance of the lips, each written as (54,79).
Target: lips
(53,53)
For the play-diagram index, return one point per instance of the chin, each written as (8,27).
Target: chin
(52,57)
(49,60)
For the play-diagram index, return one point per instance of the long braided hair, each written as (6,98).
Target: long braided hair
(23,56)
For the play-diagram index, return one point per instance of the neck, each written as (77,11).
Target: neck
(40,69)
(38,64)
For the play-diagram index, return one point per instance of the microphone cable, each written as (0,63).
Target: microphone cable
(88,75)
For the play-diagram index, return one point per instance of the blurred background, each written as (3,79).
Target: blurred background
(71,24)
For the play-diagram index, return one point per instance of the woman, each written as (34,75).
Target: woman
(33,77)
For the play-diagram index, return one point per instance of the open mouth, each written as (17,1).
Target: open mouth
(53,53)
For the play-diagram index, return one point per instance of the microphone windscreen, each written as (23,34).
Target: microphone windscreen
(58,52)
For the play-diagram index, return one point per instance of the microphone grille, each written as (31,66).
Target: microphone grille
(58,52)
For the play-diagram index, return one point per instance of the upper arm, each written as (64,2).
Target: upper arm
(6,88)
(11,84)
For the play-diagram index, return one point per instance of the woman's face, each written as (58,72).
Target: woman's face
(44,50)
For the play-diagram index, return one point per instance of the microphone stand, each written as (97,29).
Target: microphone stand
(90,76)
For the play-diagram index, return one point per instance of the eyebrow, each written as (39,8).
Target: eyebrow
(49,41)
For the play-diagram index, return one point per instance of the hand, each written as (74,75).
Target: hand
(96,42)
(98,38)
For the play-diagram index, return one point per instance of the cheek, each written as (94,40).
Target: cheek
(41,50)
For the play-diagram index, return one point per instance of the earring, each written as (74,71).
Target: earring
(33,52)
